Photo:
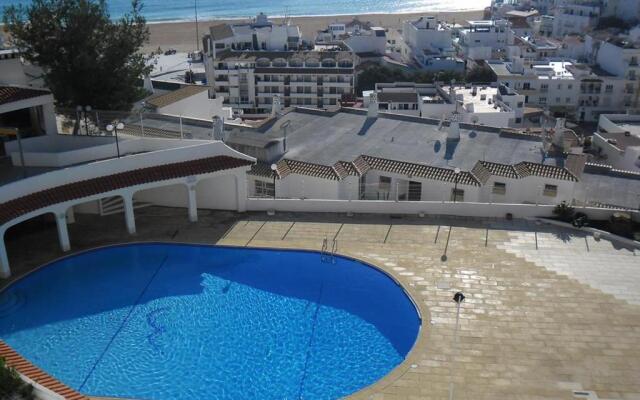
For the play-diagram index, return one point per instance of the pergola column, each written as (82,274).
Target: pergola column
(5,271)
(241,191)
(63,232)
(193,206)
(129,214)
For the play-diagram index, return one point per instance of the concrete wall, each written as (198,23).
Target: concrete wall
(483,210)
(64,150)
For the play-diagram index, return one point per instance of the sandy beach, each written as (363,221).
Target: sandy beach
(182,35)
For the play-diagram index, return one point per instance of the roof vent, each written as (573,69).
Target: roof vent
(627,133)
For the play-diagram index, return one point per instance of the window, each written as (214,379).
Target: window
(415,191)
(543,100)
(544,87)
(264,189)
(499,188)
(219,45)
(457,195)
(558,99)
(567,100)
(608,89)
(570,86)
(550,190)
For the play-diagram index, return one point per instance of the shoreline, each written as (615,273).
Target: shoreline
(280,17)
(181,35)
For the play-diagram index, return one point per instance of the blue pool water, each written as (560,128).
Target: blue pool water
(160,321)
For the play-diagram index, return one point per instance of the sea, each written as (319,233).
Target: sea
(185,10)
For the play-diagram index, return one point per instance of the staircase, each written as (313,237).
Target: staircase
(115,205)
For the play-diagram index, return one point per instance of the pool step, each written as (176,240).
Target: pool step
(115,205)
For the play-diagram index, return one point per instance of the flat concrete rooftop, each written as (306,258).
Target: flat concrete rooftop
(325,139)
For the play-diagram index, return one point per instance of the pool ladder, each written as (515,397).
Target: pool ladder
(325,255)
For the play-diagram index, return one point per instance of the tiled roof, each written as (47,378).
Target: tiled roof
(261,169)
(166,99)
(10,94)
(349,168)
(546,171)
(286,167)
(483,169)
(77,190)
(221,31)
(14,360)
(417,170)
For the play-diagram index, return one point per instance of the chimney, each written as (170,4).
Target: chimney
(147,85)
(558,134)
(372,111)
(218,128)
(276,106)
(453,133)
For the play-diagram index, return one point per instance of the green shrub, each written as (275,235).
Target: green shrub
(564,212)
(11,386)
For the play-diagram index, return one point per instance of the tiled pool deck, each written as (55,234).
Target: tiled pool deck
(548,311)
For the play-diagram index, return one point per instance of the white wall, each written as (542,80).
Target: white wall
(64,150)
(198,106)
(483,210)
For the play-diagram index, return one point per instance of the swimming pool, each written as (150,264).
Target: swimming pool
(170,321)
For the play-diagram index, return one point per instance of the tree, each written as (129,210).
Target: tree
(87,58)
(480,74)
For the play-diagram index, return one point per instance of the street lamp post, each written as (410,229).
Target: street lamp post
(84,110)
(458,298)
(274,168)
(115,128)
(455,186)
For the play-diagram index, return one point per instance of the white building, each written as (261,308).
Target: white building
(249,80)
(401,158)
(617,141)
(428,42)
(360,39)
(485,40)
(532,49)
(260,34)
(547,84)
(575,16)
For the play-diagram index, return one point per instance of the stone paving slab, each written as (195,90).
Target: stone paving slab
(536,324)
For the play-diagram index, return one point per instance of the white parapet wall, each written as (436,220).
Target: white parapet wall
(463,209)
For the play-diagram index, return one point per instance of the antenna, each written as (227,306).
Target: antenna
(195,6)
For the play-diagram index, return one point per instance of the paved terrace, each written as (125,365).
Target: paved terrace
(548,310)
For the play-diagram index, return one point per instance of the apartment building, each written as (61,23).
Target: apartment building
(249,80)
(259,34)
(565,88)
(474,104)
(485,40)
(429,43)
(362,39)
(575,16)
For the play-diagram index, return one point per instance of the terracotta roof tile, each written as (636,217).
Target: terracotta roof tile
(286,167)
(417,170)
(526,168)
(23,366)
(76,190)
(9,94)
